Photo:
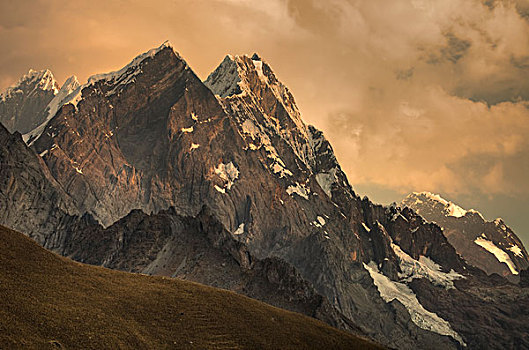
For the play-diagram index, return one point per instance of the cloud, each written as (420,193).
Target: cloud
(439,92)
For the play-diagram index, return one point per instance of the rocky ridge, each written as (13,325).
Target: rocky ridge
(490,245)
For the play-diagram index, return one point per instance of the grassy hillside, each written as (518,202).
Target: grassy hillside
(47,301)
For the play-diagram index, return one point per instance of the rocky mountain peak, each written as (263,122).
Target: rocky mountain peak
(241,75)
(424,200)
(22,105)
(250,82)
(489,245)
(115,135)
(114,82)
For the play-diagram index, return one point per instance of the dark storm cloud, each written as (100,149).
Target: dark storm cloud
(455,48)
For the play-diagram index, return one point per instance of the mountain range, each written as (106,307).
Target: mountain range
(149,169)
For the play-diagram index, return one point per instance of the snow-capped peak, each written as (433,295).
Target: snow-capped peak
(61,98)
(250,81)
(133,68)
(33,80)
(71,92)
(451,209)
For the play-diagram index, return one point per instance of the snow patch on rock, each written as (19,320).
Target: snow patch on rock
(227,172)
(516,251)
(326,180)
(299,189)
(220,189)
(239,230)
(424,268)
(501,255)
(390,290)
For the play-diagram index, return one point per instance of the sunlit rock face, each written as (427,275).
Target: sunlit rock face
(223,183)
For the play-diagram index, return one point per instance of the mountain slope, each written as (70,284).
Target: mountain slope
(490,245)
(56,302)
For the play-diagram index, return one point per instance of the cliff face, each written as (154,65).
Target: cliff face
(223,183)
(30,199)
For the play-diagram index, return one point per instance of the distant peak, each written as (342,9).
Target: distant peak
(34,80)
(429,195)
(255,57)
(417,199)
(70,81)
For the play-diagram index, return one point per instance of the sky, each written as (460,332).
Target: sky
(414,95)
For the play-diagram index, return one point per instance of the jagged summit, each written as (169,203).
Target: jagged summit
(238,75)
(35,80)
(71,92)
(125,74)
(225,80)
(22,104)
(450,209)
(489,245)
(249,81)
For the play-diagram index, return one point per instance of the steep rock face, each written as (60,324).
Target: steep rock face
(22,106)
(152,136)
(112,148)
(30,199)
(490,245)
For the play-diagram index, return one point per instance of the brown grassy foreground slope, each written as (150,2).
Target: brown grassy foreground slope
(47,301)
